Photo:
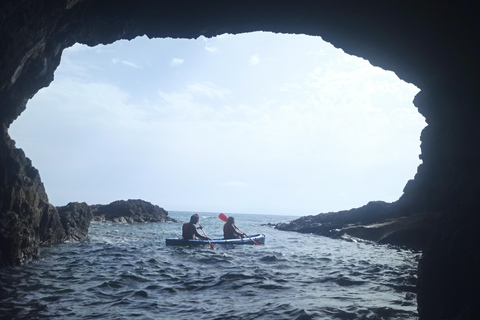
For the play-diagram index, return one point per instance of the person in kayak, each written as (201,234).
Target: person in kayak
(230,231)
(189,229)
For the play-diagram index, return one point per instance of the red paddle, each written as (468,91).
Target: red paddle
(224,219)
(201,228)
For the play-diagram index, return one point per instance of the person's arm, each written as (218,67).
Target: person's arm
(200,236)
(238,232)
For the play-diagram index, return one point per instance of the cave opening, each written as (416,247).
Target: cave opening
(251,123)
(431,46)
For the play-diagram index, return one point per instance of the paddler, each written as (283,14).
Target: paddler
(189,229)
(230,231)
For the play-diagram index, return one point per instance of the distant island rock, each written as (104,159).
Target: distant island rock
(377,221)
(75,217)
(130,211)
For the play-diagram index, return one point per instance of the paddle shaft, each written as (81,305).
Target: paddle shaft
(246,235)
(203,231)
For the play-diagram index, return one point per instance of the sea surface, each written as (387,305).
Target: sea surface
(127,272)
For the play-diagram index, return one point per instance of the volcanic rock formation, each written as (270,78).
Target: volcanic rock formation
(75,218)
(432,44)
(129,211)
(377,221)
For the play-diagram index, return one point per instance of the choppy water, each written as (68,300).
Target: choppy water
(127,272)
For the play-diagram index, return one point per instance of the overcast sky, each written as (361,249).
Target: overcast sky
(253,123)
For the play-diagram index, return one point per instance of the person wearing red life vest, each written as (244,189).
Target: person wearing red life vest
(189,229)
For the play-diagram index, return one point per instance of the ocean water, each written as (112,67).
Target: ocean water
(127,272)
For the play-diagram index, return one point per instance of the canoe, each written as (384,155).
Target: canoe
(259,238)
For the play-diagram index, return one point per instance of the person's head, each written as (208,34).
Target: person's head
(231,220)
(194,218)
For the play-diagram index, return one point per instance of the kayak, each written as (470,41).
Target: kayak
(258,238)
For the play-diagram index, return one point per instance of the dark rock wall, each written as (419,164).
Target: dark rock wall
(26,217)
(433,44)
(449,272)
(75,218)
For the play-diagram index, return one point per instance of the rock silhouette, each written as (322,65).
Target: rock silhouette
(433,45)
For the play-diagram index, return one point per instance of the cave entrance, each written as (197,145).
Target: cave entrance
(253,123)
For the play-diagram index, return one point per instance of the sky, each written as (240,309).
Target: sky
(256,123)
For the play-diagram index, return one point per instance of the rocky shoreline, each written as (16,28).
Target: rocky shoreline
(74,219)
(377,221)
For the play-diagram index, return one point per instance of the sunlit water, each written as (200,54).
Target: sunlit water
(127,272)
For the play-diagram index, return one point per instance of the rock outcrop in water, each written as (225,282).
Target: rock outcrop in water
(75,218)
(433,45)
(377,221)
(129,211)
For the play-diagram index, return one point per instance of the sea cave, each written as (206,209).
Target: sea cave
(432,45)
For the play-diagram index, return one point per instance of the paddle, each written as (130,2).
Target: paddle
(201,228)
(224,219)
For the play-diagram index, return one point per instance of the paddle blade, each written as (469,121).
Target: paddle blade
(223,217)
(255,242)
(211,245)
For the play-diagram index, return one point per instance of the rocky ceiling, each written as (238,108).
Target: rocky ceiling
(433,44)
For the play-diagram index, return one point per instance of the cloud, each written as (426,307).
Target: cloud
(208,89)
(131,64)
(208,47)
(254,60)
(211,49)
(194,102)
(127,63)
(176,62)
(318,53)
